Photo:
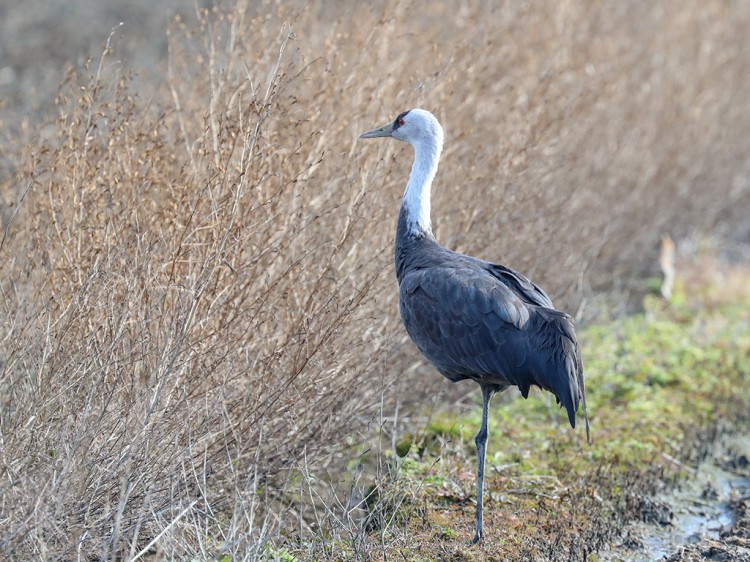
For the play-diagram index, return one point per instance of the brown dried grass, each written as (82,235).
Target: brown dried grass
(196,286)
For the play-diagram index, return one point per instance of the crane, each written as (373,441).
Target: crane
(470,318)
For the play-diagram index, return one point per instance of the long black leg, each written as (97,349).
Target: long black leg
(481,441)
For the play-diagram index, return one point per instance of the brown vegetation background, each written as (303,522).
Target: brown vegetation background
(196,285)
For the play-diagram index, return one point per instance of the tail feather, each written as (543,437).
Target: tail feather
(573,388)
(582,390)
(570,389)
(563,372)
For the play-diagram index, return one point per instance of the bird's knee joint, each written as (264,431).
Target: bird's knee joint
(481,438)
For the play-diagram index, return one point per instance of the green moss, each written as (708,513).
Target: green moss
(447,426)
(404,445)
(277,555)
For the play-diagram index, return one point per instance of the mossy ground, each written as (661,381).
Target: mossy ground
(660,384)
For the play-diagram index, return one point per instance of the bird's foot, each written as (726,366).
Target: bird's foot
(477,537)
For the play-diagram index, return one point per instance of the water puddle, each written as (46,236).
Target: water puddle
(700,508)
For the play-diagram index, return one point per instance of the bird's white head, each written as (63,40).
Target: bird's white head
(416,126)
(420,129)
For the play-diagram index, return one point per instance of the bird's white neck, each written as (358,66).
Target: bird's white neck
(416,201)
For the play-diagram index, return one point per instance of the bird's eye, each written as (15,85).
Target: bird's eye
(401,122)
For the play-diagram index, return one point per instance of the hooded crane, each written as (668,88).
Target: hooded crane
(470,318)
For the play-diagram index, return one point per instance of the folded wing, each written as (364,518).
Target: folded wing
(493,326)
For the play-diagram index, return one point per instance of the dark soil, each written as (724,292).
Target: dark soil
(706,518)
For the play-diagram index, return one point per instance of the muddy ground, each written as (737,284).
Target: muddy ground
(707,517)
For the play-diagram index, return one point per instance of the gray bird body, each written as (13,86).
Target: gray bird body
(473,319)
(470,318)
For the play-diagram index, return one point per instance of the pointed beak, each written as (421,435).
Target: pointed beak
(385,131)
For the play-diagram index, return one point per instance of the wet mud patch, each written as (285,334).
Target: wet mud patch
(706,517)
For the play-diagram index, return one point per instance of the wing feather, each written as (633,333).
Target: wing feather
(526,289)
(494,326)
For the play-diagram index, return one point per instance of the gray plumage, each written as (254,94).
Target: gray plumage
(476,320)
(470,318)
